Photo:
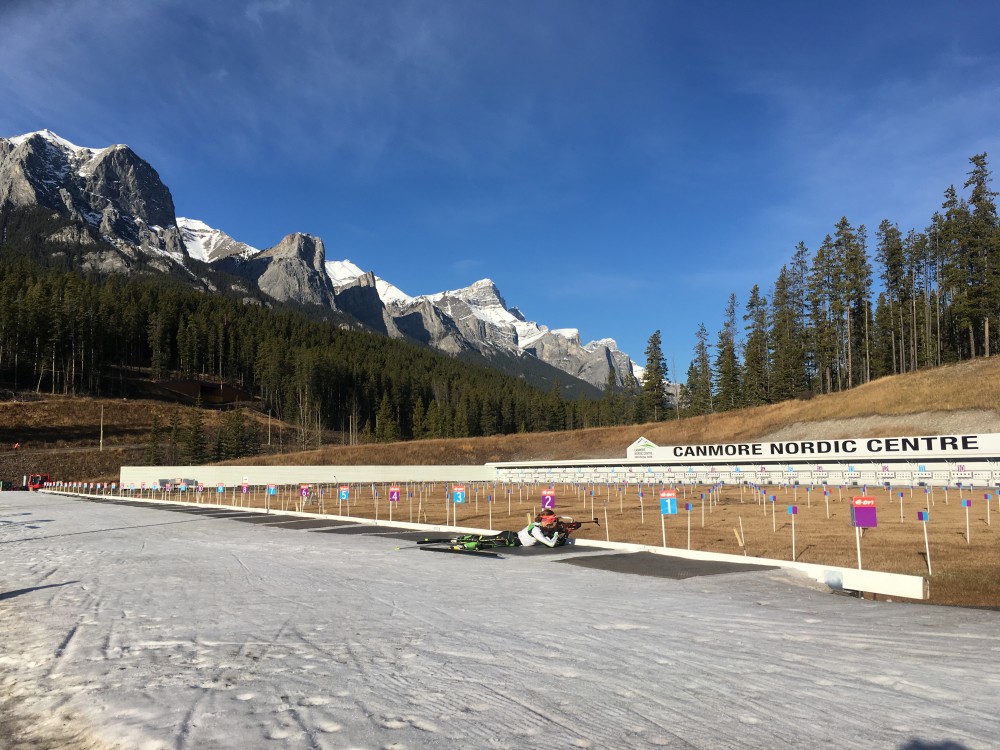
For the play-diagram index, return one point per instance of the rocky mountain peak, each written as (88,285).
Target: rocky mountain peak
(301,247)
(294,270)
(210,245)
(482,293)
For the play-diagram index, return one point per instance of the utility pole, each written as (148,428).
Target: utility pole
(102,427)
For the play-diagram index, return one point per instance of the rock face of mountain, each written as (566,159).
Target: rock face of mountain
(117,213)
(591,363)
(110,194)
(293,271)
(360,299)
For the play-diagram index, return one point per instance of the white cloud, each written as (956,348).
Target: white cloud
(256,10)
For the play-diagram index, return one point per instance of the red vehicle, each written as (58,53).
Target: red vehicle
(37,481)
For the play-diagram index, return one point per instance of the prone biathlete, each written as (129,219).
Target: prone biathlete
(546,529)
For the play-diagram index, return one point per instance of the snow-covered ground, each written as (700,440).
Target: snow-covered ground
(144,628)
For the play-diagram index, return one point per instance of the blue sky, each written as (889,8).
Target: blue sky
(614,167)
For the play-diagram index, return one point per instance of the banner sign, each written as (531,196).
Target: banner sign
(888,448)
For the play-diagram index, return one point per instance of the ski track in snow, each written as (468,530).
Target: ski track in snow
(124,631)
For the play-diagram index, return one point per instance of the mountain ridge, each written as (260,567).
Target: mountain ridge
(123,218)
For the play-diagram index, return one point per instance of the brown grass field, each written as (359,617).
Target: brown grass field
(961,398)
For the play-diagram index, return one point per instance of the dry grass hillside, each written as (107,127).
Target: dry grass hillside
(960,398)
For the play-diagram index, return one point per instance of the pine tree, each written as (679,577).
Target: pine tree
(366,436)
(756,352)
(788,377)
(699,382)
(418,420)
(231,437)
(555,408)
(889,253)
(983,242)
(728,378)
(883,360)
(386,426)
(433,420)
(854,307)
(193,446)
(174,446)
(654,396)
(152,454)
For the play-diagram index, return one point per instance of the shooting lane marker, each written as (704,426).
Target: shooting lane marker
(457,497)
(863,515)
(793,511)
(668,507)
(923,515)
(967,504)
(393,500)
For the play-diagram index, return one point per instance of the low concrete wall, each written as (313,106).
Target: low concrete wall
(232,476)
(840,579)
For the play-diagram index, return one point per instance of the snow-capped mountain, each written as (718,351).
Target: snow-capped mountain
(209,245)
(344,273)
(114,210)
(115,204)
(484,320)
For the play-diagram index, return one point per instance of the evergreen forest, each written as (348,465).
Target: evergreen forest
(860,307)
(65,333)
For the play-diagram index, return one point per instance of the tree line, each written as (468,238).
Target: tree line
(822,327)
